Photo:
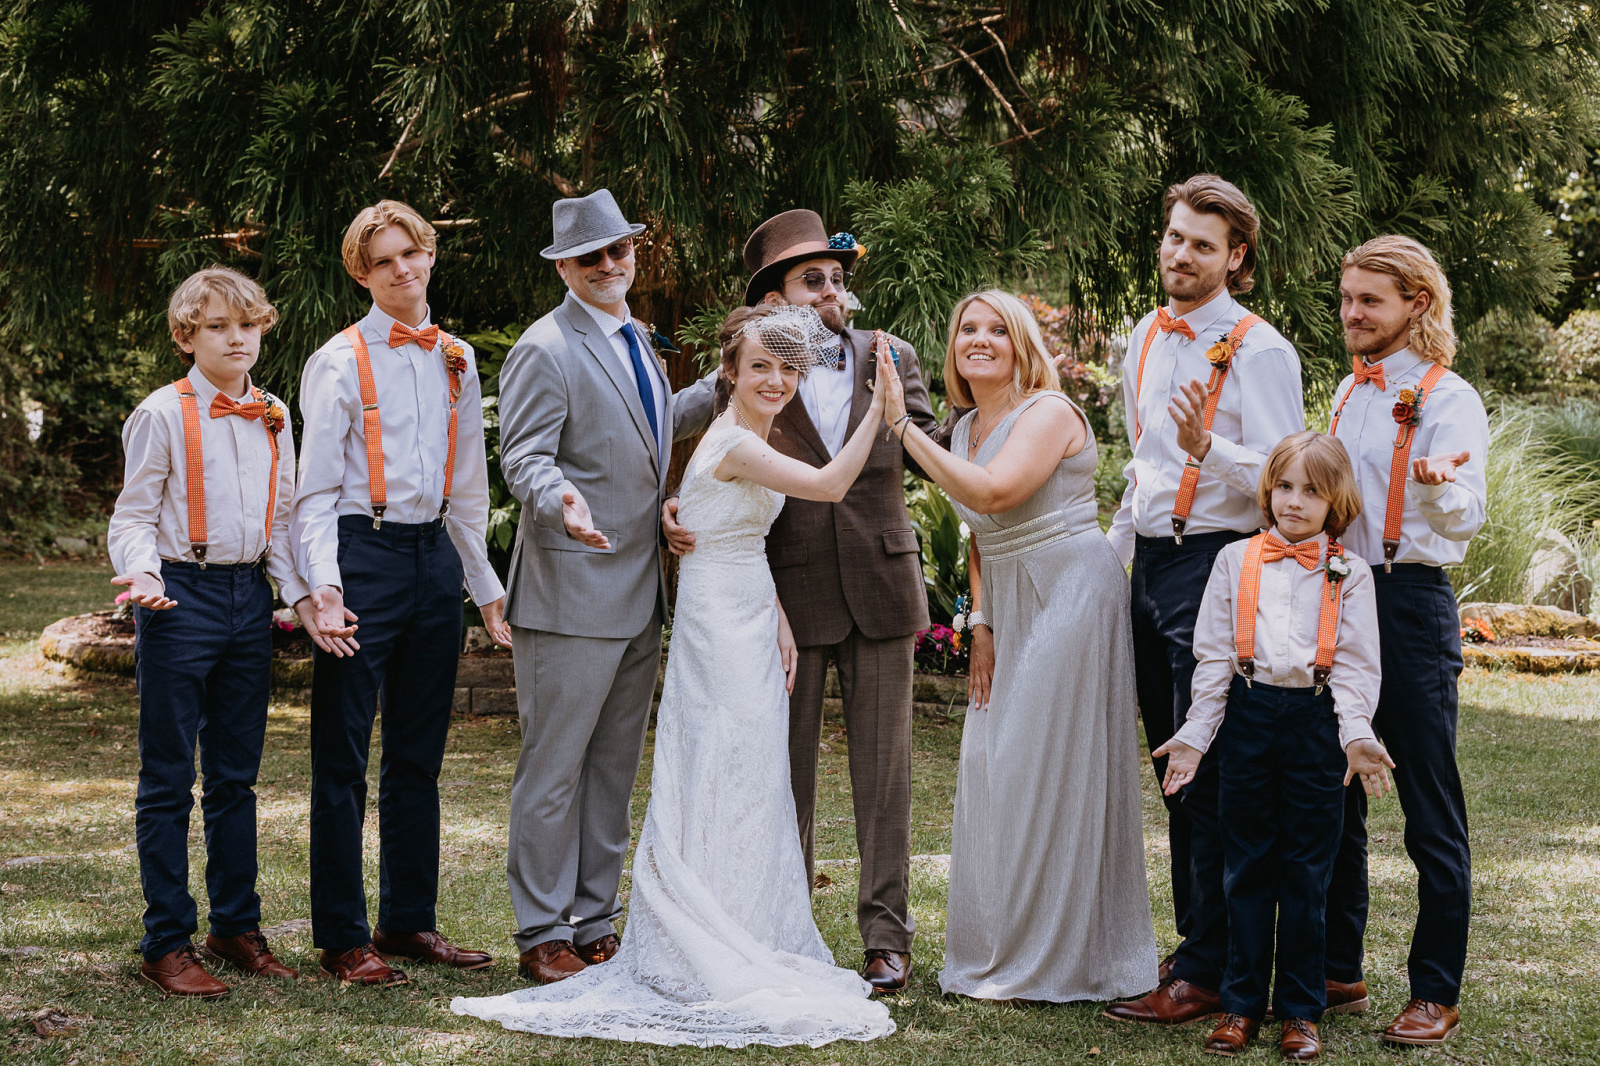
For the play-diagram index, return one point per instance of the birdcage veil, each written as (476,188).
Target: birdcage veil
(796,335)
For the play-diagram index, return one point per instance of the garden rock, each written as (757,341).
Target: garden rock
(1555,573)
(50,1022)
(1530,620)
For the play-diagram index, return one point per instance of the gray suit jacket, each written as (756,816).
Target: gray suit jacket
(570,418)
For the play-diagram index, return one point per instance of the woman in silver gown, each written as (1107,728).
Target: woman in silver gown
(1048,900)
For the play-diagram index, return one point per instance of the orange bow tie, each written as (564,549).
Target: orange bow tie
(1167,324)
(1307,553)
(1365,373)
(222,406)
(427,336)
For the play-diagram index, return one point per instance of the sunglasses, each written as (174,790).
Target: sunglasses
(816,280)
(616,252)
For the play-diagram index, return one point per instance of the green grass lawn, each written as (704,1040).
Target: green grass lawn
(1530,751)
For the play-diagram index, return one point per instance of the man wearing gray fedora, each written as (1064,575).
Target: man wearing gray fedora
(587,422)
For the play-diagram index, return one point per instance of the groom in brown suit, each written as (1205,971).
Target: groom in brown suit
(850,579)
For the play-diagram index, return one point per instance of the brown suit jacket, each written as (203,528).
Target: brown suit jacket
(855,561)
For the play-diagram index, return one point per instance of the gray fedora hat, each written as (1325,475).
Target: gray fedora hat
(586,223)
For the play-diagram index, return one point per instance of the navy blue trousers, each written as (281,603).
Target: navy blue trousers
(1416,720)
(204,670)
(1281,802)
(403,582)
(1169,580)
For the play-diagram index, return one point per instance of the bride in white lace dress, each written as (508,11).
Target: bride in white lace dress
(720,946)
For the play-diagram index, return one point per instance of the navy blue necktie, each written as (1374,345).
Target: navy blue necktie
(641,377)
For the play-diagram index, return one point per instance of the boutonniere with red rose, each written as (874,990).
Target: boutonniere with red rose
(276,417)
(1407,409)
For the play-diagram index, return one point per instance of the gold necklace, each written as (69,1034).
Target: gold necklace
(977,438)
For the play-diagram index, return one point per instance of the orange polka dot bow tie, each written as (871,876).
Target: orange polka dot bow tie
(427,336)
(1167,324)
(1365,373)
(1307,553)
(222,406)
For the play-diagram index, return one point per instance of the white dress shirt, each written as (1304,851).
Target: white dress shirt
(611,326)
(414,406)
(1438,520)
(826,392)
(1287,612)
(1260,404)
(151,521)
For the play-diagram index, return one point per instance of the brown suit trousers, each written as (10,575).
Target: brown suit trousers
(850,580)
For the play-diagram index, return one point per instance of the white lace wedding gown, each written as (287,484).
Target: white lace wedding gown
(720,947)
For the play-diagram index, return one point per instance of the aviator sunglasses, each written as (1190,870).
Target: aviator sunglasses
(616,252)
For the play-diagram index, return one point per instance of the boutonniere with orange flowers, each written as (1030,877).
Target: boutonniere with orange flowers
(1407,409)
(1220,354)
(276,417)
(455,361)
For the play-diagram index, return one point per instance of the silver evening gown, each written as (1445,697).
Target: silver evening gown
(1048,899)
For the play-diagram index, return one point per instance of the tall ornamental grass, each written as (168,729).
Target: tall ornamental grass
(1534,484)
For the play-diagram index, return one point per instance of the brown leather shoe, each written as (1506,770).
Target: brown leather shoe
(1299,1041)
(181,973)
(1175,1002)
(1164,968)
(1345,998)
(1231,1035)
(888,972)
(1423,1023)
(431,948)
(249,952)
(362,966)
(597,951)
(554,960)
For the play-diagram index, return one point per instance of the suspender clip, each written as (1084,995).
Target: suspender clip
(377,515)
(1247,667)
(1319,676)
(199,554)
(444,508)
(1390,549)
(1177,528)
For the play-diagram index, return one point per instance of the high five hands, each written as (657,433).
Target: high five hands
(147,590)
(1188,410)
(888,388)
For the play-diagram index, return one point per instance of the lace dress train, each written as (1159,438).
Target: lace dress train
(720,948)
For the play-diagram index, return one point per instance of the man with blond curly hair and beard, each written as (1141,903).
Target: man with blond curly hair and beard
(1418,437)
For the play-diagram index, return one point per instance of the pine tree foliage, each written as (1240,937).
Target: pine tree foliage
(1018,142)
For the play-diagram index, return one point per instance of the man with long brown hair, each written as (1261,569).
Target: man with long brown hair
(1209,389)
(1418,436)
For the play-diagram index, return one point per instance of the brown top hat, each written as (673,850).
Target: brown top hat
(784,240)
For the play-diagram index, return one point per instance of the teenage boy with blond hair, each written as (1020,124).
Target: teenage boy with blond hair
(1418,437)
(200,525)
(388,525)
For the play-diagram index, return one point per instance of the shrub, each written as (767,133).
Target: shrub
(1532,487)
(1509,354)
(1578,354)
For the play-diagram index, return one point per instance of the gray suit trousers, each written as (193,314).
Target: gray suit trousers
(584,704)
(875,679)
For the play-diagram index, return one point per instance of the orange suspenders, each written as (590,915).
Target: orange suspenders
(1219,374)
(196,468)
(1250,597)
(372,426)
(1398,463)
